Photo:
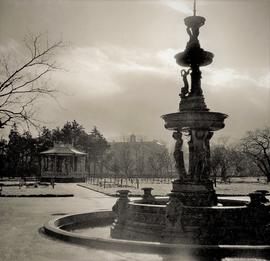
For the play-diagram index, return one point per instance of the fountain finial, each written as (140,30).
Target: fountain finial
(194,8)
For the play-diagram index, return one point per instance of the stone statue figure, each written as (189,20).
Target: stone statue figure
(208,162)
(193,32)
(174,213)
(199,155)
(185,89)
(179,155)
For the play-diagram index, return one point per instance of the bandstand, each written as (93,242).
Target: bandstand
(63,163)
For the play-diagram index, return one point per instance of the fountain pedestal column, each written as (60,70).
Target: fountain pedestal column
(195,189)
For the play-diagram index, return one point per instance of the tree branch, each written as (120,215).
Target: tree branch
(22,86)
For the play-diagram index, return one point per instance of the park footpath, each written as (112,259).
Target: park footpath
(22,218)
(163,189)
(32,189)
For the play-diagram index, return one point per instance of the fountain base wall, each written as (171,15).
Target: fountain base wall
(246,224)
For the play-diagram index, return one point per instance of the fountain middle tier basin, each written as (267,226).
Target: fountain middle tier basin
(206,120)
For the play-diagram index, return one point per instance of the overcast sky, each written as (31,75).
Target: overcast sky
(120,73)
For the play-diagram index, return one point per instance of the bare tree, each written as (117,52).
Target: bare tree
(125,159)
(111,163)
(23,83)
(157,163)
(221,161)
(139,159)
(256,145)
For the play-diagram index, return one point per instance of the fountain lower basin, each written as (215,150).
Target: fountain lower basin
(92,230)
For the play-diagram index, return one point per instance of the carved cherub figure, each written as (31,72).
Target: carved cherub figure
(185,89)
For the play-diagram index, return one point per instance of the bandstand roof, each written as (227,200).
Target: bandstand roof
(63,150)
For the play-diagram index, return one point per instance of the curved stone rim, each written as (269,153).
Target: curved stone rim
(186,120)
(53,228)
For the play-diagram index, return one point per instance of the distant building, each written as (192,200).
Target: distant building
(64,163)
(133,158)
